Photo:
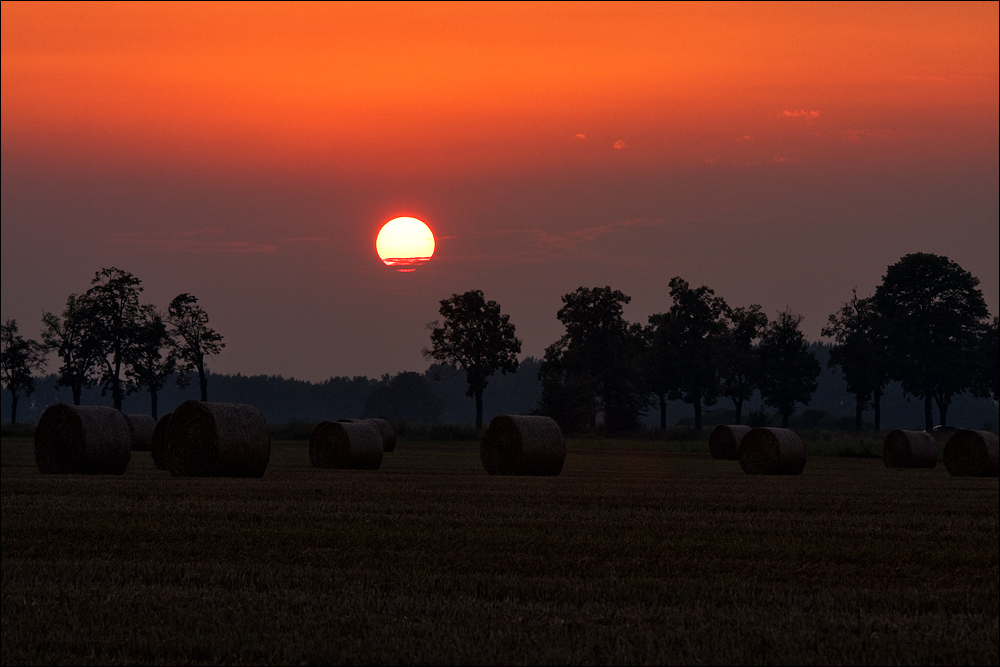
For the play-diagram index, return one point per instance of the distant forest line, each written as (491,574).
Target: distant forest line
(284,400)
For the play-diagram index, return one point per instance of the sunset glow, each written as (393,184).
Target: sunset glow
(779,153)
(405,243)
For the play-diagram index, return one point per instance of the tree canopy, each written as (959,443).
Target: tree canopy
(934,314)
(593,367)
(741,363)
(193,339)
(687,346)
(859,350)
(476,337)
(74,338)
(116,318)
(19,359)
(788,368)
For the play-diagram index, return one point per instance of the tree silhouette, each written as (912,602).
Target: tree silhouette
(860,351)
(741,363)
(148,367)
(74,339)
(193,339)
(687,343)
(477,338)
(934,315)
(117,316)
(19,359)
(594,366)
(788,368)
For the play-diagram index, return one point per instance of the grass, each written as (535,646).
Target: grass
(639,552)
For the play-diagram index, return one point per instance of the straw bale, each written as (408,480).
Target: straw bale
(523,445)
(82,440)
(772,451)
(388,434)
(217,440)
(972,454)
(158,443)
(346,445)
(142,431)
(909,449)
(725,440)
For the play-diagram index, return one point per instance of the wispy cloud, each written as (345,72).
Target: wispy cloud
(619,145)
(860,136)
(579,136)
(188,242)
(799,113)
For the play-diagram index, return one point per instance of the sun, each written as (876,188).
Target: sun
(405,243)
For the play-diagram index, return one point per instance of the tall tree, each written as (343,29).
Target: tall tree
(74,337)
(19,359)
(934,313)
(114,298)
(476,337)
(688,345)
(148,366)
(860,352)
(741,363)
(193,338)
(593,367)
(788,367)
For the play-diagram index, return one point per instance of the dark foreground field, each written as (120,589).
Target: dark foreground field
(630,556)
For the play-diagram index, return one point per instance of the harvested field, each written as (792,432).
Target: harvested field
(629,556)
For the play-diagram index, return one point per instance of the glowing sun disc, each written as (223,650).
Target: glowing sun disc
(405,243)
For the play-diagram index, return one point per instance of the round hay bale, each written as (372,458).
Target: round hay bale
(772,451)
(217,440)
(83,440)
(972,454)
(725,440)
(346,445)
(142,432)
(909,449)
(388,434)
(523,445)
(158,443)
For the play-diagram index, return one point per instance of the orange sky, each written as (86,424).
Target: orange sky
(432,86)
(781,154)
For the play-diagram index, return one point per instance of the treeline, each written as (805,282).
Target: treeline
(106,338)
(926,327)
(924,334)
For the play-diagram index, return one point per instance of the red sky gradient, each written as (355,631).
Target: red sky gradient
(249,153)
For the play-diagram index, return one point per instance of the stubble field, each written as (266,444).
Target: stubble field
(635,555)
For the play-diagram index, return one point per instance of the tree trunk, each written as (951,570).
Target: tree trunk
(878,409)
(13,408)
(116,394)
(152,402)
(479,409)
(697,412)
(943,404)
(77,392)
(784,419)
(116,387)
(203,382)
(859,410)
(663,411)
(739,411)
(928,412)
